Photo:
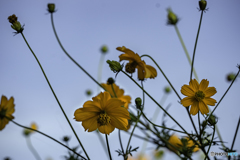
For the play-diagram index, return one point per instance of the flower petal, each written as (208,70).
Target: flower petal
(82,114)
(187,101)
(210,91)
(126,99)
(209,101)
(106,129)
(10,106)
(203,107)
(203,85)
(120,123)
(90,124)
(150,72)
(3,101)
(187,90)
(141,73)
(194,85)
(194,108)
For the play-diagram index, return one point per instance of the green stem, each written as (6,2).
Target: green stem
(120,141)
(109,152)
(100,68)
(155,102)
(235,135)
(210,143)
(31,148)
(185,50)
(71,57)
(225,93)
(102,141)
(194,51)
(46,136)
(54,94)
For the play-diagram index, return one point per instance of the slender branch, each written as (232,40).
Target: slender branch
(109,152)
(31,148)
(210,143)
(46,136)
(235,135)
(50,86)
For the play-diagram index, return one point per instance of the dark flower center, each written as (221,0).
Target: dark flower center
(199,95)
(103,119)
(130,67)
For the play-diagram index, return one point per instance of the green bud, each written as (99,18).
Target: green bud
(230,77)
(88,92)
(202,5)
(26,132)
(104,49)
(159,154)
(16,25)
(138,102)
(212,120)
(167,89)
(51,7)
(110,81)
(66,139)
(172,18)
(114,66)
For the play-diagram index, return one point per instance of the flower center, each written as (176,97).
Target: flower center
(2,113)
(199,95)
(103,119)
(130,67)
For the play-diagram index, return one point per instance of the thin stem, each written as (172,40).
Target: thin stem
(114,91)
(235,135)
(185,50)
(102,141)
(71,57)
(145,55)
(210,143)
(100,68)
(225,93)
(46,136)
(120,140)
(109,152)
(31,148)
(54,94)
(156,102)
(194,51)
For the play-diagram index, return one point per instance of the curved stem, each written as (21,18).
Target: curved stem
(54,94)
(109,152)
(156,102)
(31,148)
(71,57)
(46,136)
(194,51)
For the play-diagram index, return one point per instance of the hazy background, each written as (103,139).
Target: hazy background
(83,27)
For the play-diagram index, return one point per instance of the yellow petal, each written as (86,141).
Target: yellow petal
(126,99)
(82,114)
(94,103)
(210,91)
(203,85)
(120,123)
(10,106)
(187,101)
(150,72)
(194,85)
(3,101)
(106,129)
(141,73)
(187,91)
(203,107)
(3,123)
(105,97)
(209,101)
(117,111)
(194,108)
(90,124)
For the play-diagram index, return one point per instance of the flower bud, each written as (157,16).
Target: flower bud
(27,132)
(104,49)
(51,7)
(114,66)
(230,77)
(12,19)
(212,120)
(16,25)
(172,17)
(110,81)
(88,92)
(138,102)
(202,5)
(167,89)
(66,139)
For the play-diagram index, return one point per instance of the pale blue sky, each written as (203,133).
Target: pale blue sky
(83,27)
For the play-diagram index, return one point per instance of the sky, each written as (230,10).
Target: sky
(83,27)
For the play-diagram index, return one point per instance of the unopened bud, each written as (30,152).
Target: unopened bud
(51,7)
(212,120)
(202,5)
(172,17)
(104,49)
(138,102)
(167,89)
(230,77)
(110,81)
(16,25)
(114,66)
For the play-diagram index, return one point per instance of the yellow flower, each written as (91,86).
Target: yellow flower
(27,132)
(119,93)
(177,143)
(198,96)
(144,71)
(103,113)
(6,110)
